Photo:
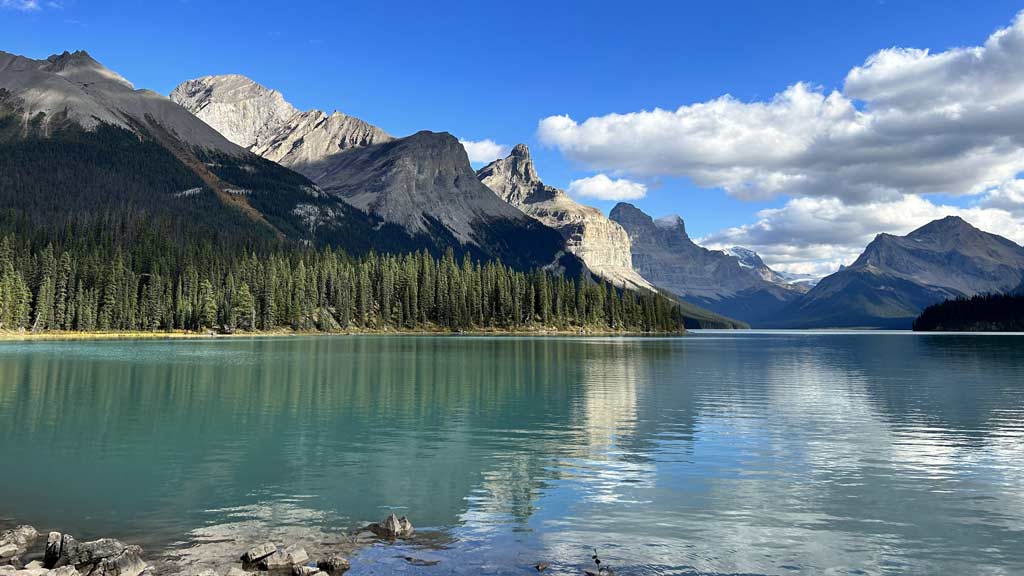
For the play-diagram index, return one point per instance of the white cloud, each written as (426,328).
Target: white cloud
(816,235)
(601,187)
(23,5)
(484,150)
(1009,197)
(906,122)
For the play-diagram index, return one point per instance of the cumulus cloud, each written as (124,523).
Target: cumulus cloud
(907,121)
(484,150)
(601,187)
(1009,197)
(816,235)
(22,5)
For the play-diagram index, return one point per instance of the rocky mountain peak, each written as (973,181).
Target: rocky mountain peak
(514,178)
(521,151)
(261,120)
(672,222)
(244,111)
(82,68)
(624,212)
(602,244)
(947,228)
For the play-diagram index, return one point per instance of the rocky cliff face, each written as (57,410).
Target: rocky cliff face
(600,243)
(896,277)
(260,120)
(663,253)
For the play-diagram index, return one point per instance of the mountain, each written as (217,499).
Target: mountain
(804,281)
(749,259)
(896,277)
(600,243)
(422,184)
(133,154)
(737,287)
(425,184)
(262,121)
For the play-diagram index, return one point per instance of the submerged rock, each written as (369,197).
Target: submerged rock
(392,527)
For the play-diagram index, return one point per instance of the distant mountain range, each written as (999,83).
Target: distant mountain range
(225,156)
(896,277)
(736,284)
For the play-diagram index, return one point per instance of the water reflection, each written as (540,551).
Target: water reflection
(743,453)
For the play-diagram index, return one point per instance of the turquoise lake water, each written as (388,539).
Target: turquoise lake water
(716,453)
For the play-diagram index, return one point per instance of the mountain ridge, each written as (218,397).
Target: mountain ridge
(422,183)
(896,277)
(599,242)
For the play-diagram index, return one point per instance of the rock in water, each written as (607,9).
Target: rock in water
(334,564)
(257,553)
(393,527)
(103,557)
(304,570)
(285,558)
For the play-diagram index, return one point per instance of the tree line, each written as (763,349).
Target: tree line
(987,312)
(90,283)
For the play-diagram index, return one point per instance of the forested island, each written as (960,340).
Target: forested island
(136,277)
(985,313)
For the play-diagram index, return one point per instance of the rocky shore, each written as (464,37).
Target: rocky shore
(24,552)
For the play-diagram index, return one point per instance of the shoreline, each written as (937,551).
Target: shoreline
(25,336)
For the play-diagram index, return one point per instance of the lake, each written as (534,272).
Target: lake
(717,452)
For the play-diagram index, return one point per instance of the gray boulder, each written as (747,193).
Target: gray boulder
(54,544)
(334,564)
(15,542)
(392,527)
(257,553)
(103,557)
(299,570)
(286,558)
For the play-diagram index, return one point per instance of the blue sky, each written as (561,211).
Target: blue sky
(487,70)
